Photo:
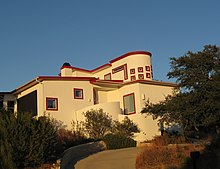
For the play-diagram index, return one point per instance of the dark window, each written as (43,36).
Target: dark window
(78,93)
(28,103)
(129,104)
(10,105)
(52,103)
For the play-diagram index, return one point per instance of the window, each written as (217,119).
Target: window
(140,76)
(78,93)
(133,78)
(129,104)
(10,106)
(107,76)
(52,103)
(132,71)
(147,68)
(140,69)
(148,75)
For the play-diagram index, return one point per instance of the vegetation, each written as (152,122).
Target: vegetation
(126,128)
(117,141)
(26,141)
(99,125)
(195,103)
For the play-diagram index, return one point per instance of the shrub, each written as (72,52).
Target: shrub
(116,141)
(97,123)
(26,141)
(166,157)
(126,128)
(168,138)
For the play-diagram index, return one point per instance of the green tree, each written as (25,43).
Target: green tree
(97,123)
(195,103)
(126,128)
(26,141)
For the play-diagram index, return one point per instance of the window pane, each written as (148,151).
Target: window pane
(129,104)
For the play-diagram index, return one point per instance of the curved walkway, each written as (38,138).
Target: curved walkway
(76,153)
(88,156)
(111,159)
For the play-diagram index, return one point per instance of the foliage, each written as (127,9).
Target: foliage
(25,141)
(168,138)
(117,141)
(126,128)
(97,123)
(196,102)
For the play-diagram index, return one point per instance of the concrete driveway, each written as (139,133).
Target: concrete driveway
(91,156)
(110,159)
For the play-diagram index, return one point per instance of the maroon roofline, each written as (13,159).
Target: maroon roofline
(130,53)
(108,64)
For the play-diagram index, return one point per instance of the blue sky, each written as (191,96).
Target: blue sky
(38,36)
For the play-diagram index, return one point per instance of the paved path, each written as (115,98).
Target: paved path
(110,159)
(76,153)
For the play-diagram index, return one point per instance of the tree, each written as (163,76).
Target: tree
(97,123)
(26,141)
(126,128)
(195,103)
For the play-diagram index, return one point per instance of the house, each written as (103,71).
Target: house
(120,87)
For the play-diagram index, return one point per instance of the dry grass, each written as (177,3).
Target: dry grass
(165,157)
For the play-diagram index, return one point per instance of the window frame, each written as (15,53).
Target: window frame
(129,113)
(56,103)
(108,75)
(74,93)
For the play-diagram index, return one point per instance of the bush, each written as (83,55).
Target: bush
(167,157)
(127,127)
(26,141)
(97,123)
(168,138)
(116,141)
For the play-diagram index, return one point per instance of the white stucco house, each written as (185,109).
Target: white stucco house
(120,87)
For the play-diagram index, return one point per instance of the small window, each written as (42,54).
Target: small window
(78,93)
(140,76)
(107,76)
(147,68)
(52,103)
(129,104)
(147,75)
(140,69)
(132,71)
(133,78)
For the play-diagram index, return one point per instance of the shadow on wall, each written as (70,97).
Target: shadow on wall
(76,153)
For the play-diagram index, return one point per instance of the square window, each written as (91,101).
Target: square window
(78,93)
(147,75)
(147,68)
(140,76)
(132,71)
(140,69)
(52,103)
(133,78)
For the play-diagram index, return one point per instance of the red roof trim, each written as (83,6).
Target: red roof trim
(108,64)
(152,82)
(85,70)
(101,67)
(130,53)
(65,78)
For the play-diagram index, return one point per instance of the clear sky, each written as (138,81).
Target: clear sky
(38,36)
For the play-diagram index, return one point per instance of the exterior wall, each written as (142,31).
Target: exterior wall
(133,62)
(67,105)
